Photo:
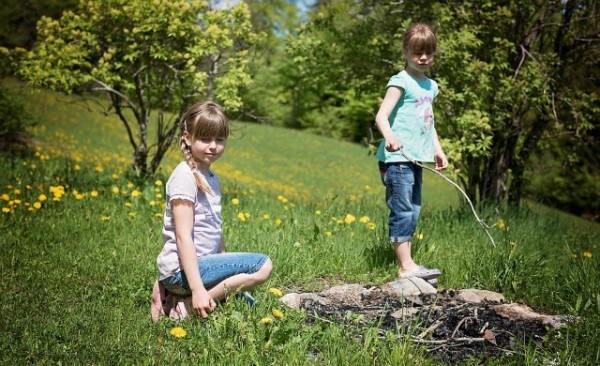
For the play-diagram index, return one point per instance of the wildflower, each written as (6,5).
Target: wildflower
(132,214)
(33,166)
(241,216)
(340,221)
(152,203)
(94,193)
(115,176)
(278,222)
(235,201)
(130,185)
(37,205)
(5,209)
(275,291)
(76,167)
(127,204)
(364,219)
(135,193)
(17,191)
(587,254)
(158,214)
(42,197)
(115,189)
(329,234)
(5,197)
(513,243)
(371,225)
(178,332)
(276,313)
(501,225)
(158,182)
(367,187)
(266,320)
(574,255)
(420,236)
(159,195)
(79,196)
(266,216)
(297,244)
(99,169)
(105,218)
(318,212)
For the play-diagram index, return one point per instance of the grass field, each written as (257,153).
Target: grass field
(80,236)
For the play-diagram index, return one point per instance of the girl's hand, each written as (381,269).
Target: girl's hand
(392,144)
(441,161)
(202,303)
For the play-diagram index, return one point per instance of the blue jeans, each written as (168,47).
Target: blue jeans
(403,182)
(215,268)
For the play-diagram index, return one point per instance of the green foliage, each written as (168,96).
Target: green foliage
(510,76)
(147,57)
(14,120)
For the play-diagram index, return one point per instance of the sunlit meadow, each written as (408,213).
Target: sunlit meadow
(80,235)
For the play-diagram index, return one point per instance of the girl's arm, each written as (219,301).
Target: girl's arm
(221,247)
(392,96)
(441,161)
(183,215)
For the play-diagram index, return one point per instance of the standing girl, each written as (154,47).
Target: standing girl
(193,260)
(405,119)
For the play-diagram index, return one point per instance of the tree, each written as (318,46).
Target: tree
(148,57)
(510,76)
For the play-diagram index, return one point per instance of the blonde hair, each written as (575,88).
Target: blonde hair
(202,120)
(419,38)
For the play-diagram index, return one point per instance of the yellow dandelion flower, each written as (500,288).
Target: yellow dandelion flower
(33,166)
(340,221)
(419,236)
(135,193)
(364,219)
(367,187)
(266,320)
(94,193)
(329,234)
(5,197)
(266,216)
(348,219)
(42,197)
(513,243)
(79,196)
(115,176)
(99,169)
(105,218)
(158,182)
(276,313)
(9,186)
(247,214)
(17,202)
(574,255)
(28,187)
(152,203)
(130,185)
(37,205)
(235,201)
(318,212)
(158,195)
(178,332)
(371,225)
(275,291)
(17,191)
(115,189)
(76,167)
(278,222)
(241,216)
(501,225)
(587,254)
(132,214)
(5,209)
(158,214)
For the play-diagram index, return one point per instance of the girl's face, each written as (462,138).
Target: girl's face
(418,61)
(207,150)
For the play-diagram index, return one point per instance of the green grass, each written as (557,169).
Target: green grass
(77,273)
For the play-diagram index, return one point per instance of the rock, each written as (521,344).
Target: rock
(292,300)
(478,296)
(408,288)
(515,311)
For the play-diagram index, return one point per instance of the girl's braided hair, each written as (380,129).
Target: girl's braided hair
(202,120)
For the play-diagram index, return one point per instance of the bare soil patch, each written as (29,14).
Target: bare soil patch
(451,324)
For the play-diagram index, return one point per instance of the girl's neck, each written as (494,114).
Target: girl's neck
(415,73)
(204,169)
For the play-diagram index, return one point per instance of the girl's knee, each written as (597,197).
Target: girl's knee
(264,272)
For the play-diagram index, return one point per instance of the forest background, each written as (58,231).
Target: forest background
(518,109)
